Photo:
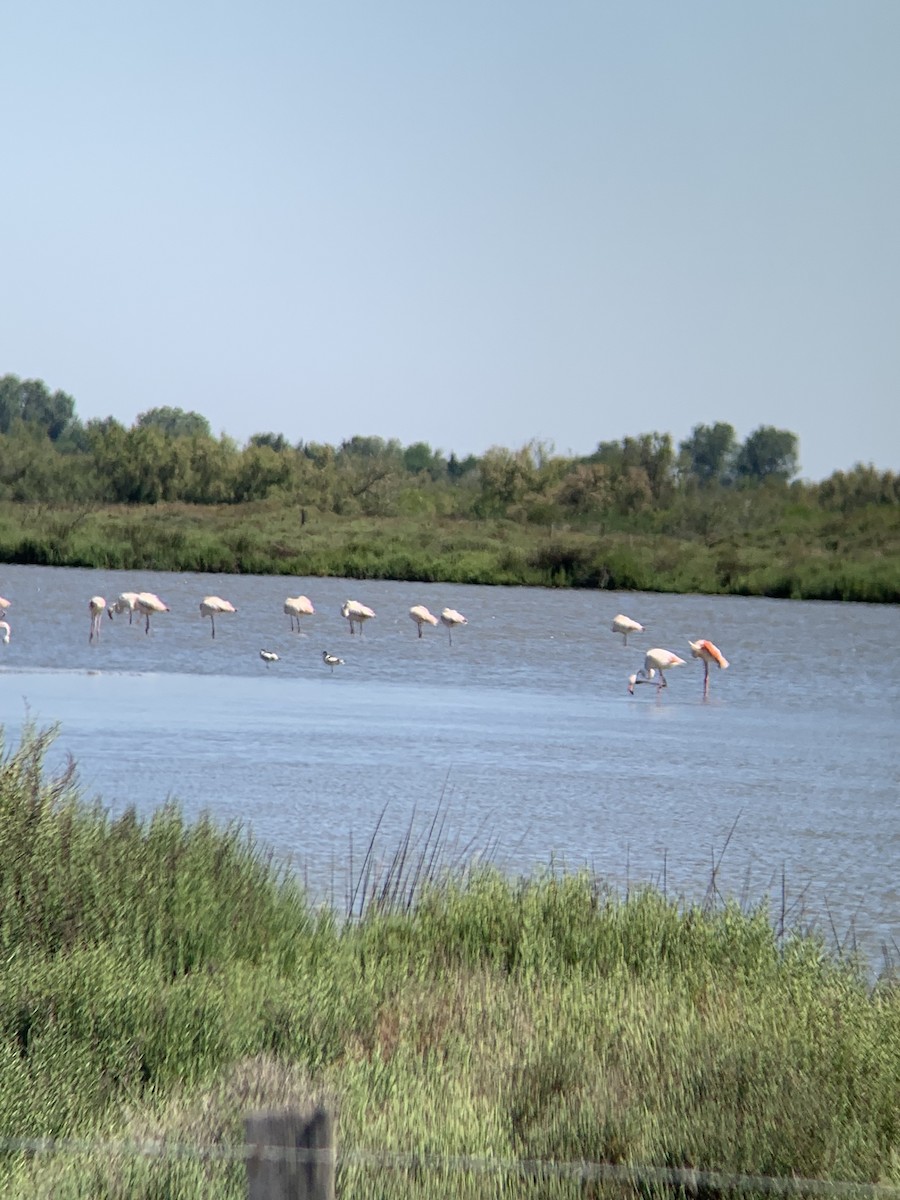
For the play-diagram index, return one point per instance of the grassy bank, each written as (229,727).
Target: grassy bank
(160,978)
(803,554)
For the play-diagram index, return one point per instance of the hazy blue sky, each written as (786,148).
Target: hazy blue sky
(465,224)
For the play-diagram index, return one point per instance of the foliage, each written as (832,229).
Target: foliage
(709,453)
(174,421)
(768,453)
(713,516)
(160,978)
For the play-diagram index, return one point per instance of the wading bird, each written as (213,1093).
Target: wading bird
(655,661)
(210,605)
(146,604)
(331,660)
(356,613)
(125,602)
(625,625)
(451,618)
(709,653)
(4,604)
(420,614)
(296,607)
(268,656)
(96,607)
(5,631)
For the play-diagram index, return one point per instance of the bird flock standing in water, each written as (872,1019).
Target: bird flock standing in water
(146,604)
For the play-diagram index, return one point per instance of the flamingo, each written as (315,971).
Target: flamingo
(210,605)
(420,614)
(96,607)
(125,602)
(331,660)
(296,607)
(450,617)
(654,660)
(356,613)
(268,656)
(6,631)
(710,653)
(147,603)
(625,625)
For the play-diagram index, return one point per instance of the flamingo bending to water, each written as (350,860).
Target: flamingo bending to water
(296,607)
(125,602)
(356,613)
(451,618)
(709,653)
(625,625)
(655,661)
(210,605)
(96,607)
(420,614)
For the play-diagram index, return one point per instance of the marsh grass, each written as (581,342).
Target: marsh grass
(161,978)
(805,554)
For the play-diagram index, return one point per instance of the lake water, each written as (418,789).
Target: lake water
(521,734)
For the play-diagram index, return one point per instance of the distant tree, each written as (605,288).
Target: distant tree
(275,441)
(456,468)
(651,453)
(174,421)
(768,453)
(371,447)
(708,454)
(31,401)
(585,488)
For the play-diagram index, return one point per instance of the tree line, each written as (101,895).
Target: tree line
(49,455)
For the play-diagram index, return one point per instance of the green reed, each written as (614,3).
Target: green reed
(160,978)
(803,555)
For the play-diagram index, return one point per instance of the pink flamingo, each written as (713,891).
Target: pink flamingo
(147,603)
(709,653)
(420,614)
(625,625)
(97,607)
(451,618)
(296,607)
(210,605)
(655,661)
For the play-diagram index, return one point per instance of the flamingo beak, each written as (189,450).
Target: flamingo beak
(632,680)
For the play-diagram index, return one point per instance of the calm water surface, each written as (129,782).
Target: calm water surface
(522,732)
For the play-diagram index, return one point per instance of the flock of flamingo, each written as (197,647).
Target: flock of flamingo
(657,661)
(146,604)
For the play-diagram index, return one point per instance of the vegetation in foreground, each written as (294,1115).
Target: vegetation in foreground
(160,978)
(713,515)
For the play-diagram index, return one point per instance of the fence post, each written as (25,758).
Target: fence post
(306,1170)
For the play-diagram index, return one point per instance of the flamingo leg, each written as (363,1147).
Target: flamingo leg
(705,679)
(212,621)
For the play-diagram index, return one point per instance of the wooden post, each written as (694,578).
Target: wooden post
(294,1155)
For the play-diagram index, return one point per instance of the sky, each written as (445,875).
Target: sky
(470,225)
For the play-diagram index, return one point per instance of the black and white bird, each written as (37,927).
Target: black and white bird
(268,656)
(331,660)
